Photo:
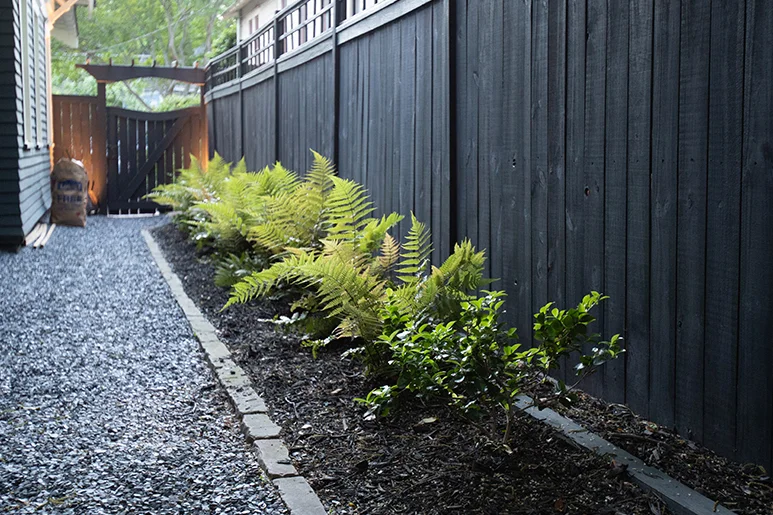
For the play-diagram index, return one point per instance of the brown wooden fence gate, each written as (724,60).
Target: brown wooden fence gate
(128,153)
(145,150)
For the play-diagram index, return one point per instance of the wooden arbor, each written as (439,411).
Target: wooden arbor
(136,151)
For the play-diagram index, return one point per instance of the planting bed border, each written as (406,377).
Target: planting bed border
(256,425)
(296,492)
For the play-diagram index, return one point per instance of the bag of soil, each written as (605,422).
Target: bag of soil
(69,193)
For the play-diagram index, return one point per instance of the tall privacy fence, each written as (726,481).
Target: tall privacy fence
(625,147)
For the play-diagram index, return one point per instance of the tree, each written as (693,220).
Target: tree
(139,31)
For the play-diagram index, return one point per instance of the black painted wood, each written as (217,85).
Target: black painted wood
(663,210)
(691,213)
(615,205)
(755,353)
(146,150)
(637,333)
(556,219)
(723,224)
(617,146)
(575,155)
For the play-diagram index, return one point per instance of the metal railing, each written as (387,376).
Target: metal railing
(292,28)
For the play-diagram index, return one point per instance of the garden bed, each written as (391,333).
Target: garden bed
(425,459)
(742,488)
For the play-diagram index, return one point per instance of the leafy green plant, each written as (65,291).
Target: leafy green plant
(232,268)
(192,186)
(475,363)
(350,274)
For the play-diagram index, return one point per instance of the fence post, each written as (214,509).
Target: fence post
(336,79)
(239,64)
(277,53)
(100,150)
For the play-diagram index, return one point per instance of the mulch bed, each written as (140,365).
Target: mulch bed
(424,459)
(742,488)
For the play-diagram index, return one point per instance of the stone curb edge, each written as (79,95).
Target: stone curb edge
(258,429)
(681,499)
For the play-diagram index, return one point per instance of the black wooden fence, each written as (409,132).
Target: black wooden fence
(625,147)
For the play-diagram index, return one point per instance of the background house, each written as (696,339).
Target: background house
(252,14)
(25,128)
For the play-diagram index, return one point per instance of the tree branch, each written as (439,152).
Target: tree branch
(129,88)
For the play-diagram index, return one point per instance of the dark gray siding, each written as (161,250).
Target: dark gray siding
(24,162)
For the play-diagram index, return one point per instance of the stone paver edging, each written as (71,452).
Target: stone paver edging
(680,499)
(258,428)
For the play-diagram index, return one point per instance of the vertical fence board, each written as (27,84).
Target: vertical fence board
(575,153)
(592,211)
(755,355)
(468,167)
(463,143)
(665,108)
(131,151)
(539,155)
(441,132)
(489,24)
(615,193)
(723,224)
(519,16)
(691,223)
(422,160)
(405,126)
(637,300)
(556,100)
(112,158)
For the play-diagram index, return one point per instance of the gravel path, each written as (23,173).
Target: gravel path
(106,405)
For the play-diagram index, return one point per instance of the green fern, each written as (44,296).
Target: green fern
(389,254)
(347,209)
(416,252)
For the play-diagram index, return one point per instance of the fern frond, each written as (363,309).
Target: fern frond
(373,234)
(259,284)
(321,172)
(389,254)
(416,251)
(347,208)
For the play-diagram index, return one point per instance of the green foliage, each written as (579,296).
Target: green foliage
(223,41)
(296,219)
(416,325)
(232,268)
(174,102)
(142,31)
(474,363)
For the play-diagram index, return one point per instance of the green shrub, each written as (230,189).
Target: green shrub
(475,363)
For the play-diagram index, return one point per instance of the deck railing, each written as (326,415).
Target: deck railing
(292,28)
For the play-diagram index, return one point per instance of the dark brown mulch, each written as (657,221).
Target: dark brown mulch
(423,460)
(742,488)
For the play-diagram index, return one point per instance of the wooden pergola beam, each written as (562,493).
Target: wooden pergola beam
(112,73)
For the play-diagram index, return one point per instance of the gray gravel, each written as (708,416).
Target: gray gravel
(106,405)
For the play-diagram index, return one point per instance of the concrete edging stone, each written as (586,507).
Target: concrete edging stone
(681,499)
(258,428)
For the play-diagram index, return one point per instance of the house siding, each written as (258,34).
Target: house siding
(25,194)
(264,9)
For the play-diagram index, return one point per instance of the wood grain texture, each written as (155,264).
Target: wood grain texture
(691,223)
(723,224)
(639,161)
(755,353)
(615,191)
